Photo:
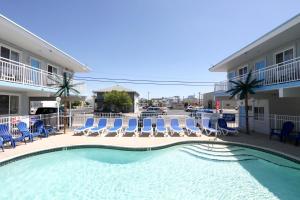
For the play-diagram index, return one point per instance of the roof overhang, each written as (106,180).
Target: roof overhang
(282,34)
(16,34)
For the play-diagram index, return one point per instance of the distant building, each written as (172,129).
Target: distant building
(209,101)
(99,98)
(191,100)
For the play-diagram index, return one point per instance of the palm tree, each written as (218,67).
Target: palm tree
(65,86)
(243,89)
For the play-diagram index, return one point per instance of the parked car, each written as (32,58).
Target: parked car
(47,110)
(164,109)
(197,113)
(158,110)
(189,108)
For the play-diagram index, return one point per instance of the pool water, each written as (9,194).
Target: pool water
(182,172)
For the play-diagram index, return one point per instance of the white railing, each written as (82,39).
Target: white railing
(78,120)
(275,74)
(12,71)
(12,121)
(276,121)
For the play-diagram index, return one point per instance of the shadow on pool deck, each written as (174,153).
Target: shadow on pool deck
(262,140)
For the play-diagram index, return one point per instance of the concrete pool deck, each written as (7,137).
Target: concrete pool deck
(66,140)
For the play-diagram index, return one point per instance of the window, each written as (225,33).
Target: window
(14,56)
(14,105)
(35,63)
(10,54)
(259,113)
(4,102)
(284,56)
(243,71)
(231,75)
(52,70)
(9,105)
(5,53)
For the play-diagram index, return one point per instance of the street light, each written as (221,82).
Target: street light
(58,99)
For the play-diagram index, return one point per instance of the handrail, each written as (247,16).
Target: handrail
(26,66)
(287,71)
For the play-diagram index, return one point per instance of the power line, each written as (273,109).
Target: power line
(141,80)
(140,83)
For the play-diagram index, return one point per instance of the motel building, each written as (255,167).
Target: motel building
(275,59)
(28,65)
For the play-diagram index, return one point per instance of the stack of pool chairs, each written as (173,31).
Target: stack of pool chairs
(24,133)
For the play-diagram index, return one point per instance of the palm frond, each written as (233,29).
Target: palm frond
(244,87)
(249,77)
(74,90)
(65,85)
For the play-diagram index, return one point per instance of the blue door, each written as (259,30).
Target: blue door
(230,75)
(35,75)
(259,66)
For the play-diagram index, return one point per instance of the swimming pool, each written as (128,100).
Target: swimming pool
(190,171)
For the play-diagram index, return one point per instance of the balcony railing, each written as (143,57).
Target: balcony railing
(285,72)
(16,72)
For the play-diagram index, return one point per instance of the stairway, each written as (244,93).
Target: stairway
(217,152)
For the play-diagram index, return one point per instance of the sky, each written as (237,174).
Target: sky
(151,39)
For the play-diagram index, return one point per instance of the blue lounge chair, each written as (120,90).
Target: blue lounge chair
(6,136)
(207,128)
(225,130)
(132,127)
(100,128)
(87,126)
(39,126)
(22,127)
(147,127)
(160,127)
(1,143)
(287,128)
(117,128)
(191,127)
(175,128)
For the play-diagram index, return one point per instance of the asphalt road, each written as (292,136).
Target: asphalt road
(177,112)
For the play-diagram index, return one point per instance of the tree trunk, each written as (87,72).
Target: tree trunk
(65,114)
(246,113)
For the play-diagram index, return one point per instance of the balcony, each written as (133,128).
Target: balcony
(16,72)
(285,72)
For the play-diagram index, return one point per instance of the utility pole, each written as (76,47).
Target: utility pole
(148,98)
(199,98)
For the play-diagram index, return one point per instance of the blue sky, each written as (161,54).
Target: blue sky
(157,39)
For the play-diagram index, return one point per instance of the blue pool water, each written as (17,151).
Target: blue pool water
(182,172)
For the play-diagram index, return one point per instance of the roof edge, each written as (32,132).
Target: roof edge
(84,67)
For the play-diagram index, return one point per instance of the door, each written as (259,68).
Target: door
(34,74)
(259,66)
(261,121)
